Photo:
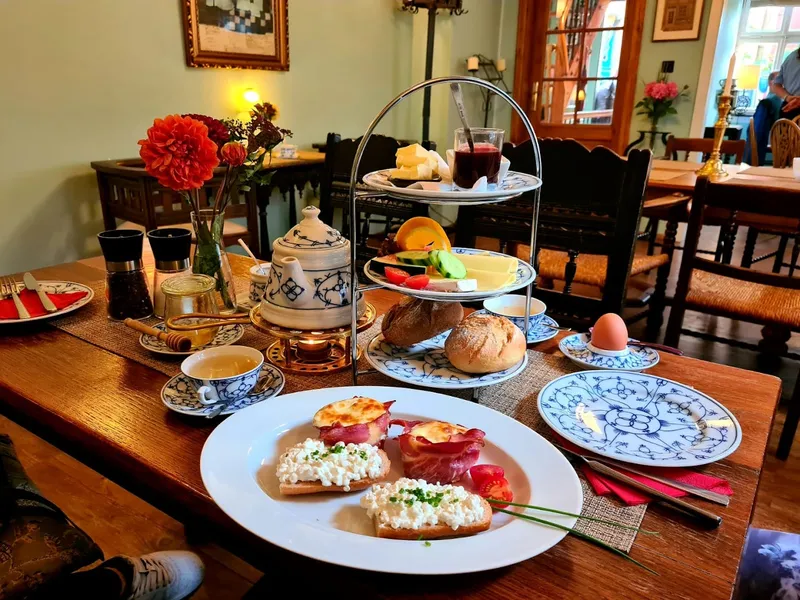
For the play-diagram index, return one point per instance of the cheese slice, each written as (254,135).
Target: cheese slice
(491,280)
(420,171)
(409,156)
(488,262)
(352,411)
(437,431)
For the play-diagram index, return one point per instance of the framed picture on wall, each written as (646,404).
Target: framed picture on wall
(677,20)
(241,34)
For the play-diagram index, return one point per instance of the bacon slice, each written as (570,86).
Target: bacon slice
(371,432)
(438,452)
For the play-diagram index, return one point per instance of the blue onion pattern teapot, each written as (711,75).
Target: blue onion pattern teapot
(309,281)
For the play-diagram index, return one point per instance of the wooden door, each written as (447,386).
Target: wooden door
(576,69)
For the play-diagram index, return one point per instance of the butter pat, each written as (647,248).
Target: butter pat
(414,155)
(452,285)
(420,171)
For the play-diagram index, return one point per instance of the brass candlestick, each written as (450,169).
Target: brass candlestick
(713,168)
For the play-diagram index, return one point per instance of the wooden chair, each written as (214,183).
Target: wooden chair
(785,141)
(335,190)
(590,207)
(130,194)
(714,288)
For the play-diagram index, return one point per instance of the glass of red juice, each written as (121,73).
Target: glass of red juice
(483,160)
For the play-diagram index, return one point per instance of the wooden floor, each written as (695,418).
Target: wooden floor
(121,523)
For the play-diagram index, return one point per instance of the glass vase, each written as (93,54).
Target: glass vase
(210,257)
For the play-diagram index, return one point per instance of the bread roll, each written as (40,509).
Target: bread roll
(412,320)
(485,344)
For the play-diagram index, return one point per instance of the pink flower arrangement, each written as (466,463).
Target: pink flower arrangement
(659,96)
(661,90)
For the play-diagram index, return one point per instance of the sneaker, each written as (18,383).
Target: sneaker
(169,575)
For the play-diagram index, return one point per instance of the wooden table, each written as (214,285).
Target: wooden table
(106,410)
(674,176)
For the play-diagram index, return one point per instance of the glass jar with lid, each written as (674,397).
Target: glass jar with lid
(187,294)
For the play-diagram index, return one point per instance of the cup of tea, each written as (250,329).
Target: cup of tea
(223,374)
(512,307)
(796,167)
(258,282)
(481,160)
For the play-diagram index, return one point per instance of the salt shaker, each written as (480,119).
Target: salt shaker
(171,247)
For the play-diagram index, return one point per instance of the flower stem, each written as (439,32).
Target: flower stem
(584,536)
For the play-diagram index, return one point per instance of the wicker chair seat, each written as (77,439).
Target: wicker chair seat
(748,301)
(591,268)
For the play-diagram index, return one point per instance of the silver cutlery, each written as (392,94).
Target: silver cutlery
(9,288)
(556,327)
(33,285)
(654,346)
(704,516)
(458,98)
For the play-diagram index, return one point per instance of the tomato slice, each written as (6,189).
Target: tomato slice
(418,282)
(496,489)
(482,473)
(395,275)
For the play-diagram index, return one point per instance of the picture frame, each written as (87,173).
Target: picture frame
(236,34)
(677,20)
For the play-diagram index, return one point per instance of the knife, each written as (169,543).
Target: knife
(33,285)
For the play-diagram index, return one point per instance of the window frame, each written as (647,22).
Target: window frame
(782,37)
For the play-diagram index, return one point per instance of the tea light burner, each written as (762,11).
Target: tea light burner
(318,351)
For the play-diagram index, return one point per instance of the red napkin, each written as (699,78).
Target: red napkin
(31,302)
(604,486)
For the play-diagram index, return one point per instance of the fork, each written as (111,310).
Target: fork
(9,288)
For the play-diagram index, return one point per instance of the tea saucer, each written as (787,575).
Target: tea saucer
(539,332)
(227,335)
(244,303)
(179,393)
(576,347)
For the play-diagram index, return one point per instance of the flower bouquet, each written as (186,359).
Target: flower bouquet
(182,153)
(659,97)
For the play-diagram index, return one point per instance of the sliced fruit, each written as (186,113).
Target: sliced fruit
(448,265)
(417,282)
(483,473)
(414,257)
(396,276)
(422,233)
(378,265)
(497,489)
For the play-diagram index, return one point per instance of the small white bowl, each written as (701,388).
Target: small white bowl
(512,307)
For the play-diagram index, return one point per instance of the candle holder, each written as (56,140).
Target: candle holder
(713,168)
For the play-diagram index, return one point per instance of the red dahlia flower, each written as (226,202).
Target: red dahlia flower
(233,154)
(179,153)
(217,132)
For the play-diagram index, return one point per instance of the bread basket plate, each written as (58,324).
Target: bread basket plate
(239,459)
(426,364)
(525,274)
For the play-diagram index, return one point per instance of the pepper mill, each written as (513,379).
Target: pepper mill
(171,247)
(127,295)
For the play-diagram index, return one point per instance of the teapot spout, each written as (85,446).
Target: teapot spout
(295,286)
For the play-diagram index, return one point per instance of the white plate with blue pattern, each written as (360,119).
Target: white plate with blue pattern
(57,287)
(577,348)
(525,274)
(425,364)
(513,184)
(639,418)
(227,335)
(540,332)
(180,393)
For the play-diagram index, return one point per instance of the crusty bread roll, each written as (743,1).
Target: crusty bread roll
(485,344)
(412,320)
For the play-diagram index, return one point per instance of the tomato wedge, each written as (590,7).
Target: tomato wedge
(395,275)
(417,282)
(482,473)
(496,489)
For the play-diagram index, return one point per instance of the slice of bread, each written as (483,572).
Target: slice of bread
(431,532)
(316,487)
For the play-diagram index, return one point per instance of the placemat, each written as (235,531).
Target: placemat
(515,397)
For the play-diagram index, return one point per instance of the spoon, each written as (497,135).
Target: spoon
(557,327)
(654,346)
(458,98)
(250,253)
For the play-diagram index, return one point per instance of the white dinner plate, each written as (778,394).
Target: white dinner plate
(525,274)
(238,468)
(58,287)
(514,184)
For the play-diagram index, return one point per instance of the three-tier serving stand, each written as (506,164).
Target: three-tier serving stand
(354,195)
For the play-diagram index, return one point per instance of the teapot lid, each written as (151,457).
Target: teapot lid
(311,233)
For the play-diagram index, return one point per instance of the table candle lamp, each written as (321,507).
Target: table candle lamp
(713,168)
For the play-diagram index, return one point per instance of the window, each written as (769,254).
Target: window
(769,32)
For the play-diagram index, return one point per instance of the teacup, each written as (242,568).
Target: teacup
(796,167)
(287,151)
(258,282)
(512,307)
(223,374)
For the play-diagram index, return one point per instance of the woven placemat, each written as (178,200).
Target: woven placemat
(515,397)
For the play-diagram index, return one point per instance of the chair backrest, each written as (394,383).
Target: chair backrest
(591,202)
(753,142)
(785,141)
(731,150)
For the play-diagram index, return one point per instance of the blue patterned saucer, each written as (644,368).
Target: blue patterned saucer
(639,418)
(426,364)
(576,348)
(180,394)
(540,332)
(227,335)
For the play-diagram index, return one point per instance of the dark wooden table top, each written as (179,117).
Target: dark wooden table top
(106,410)
(679,177)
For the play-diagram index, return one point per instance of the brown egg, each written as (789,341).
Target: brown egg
(610,333)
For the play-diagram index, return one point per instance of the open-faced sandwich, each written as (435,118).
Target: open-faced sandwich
(437,451)
(311,467)
(410,509)
(356,420)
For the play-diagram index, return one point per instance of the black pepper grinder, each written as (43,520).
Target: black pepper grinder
(127,295)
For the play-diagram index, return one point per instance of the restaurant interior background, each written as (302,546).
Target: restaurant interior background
(69,99)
